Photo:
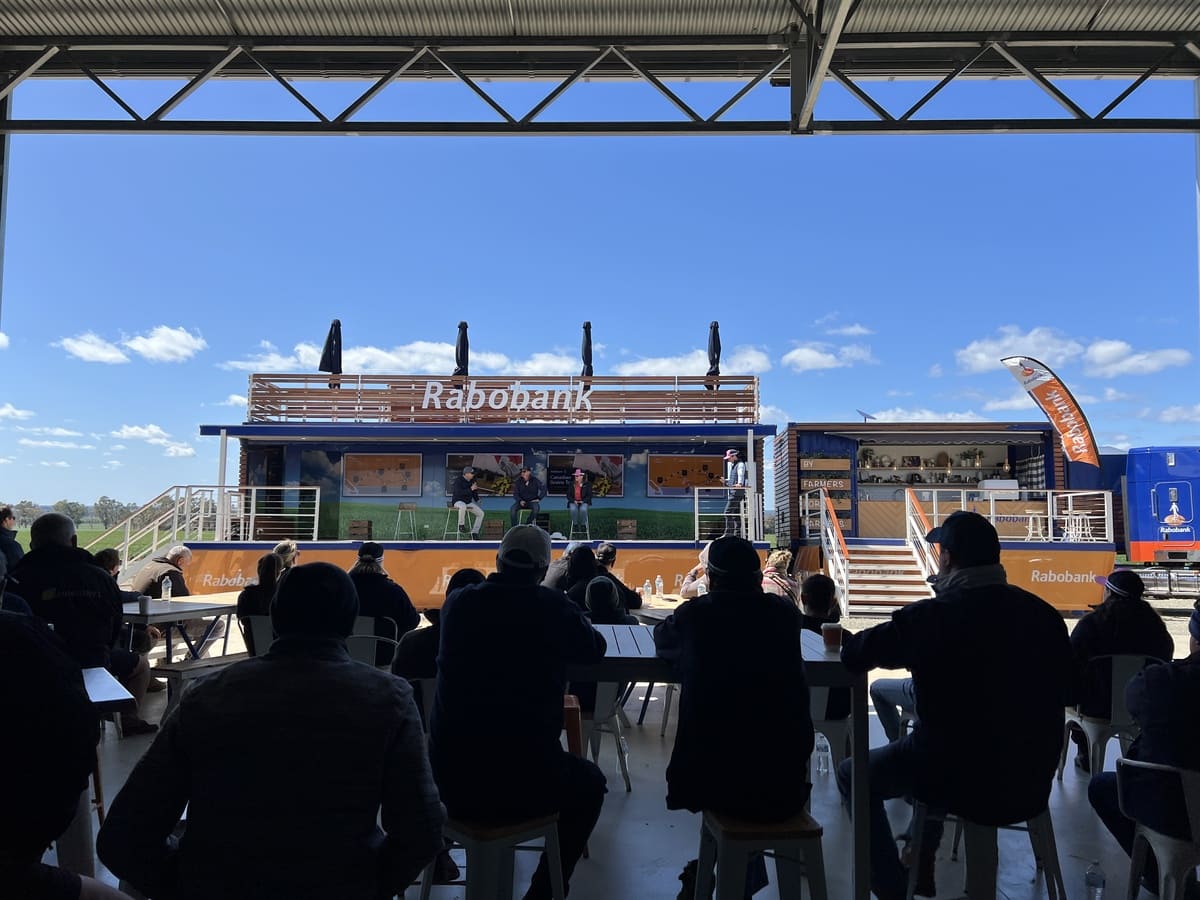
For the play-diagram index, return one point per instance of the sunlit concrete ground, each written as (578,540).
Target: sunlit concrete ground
(639,846)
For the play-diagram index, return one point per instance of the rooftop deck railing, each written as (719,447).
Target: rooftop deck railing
(430,399)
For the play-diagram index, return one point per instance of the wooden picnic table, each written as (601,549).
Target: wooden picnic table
(632,656)
(173,614)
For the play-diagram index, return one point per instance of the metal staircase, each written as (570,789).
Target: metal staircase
(883,577)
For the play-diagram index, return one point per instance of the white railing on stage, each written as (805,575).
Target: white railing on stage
(819,519)
(916,526)
(713,516)
(1054,516)
(195,512)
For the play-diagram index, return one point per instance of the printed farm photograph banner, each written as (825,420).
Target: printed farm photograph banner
(675,476)
(381,475)
(494,472)
(605,472)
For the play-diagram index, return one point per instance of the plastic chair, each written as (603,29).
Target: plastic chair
(1119,724)
(490,856)
(1177,858)
(794,844)
(836,731)
(406,521)
(365,651)
(258,633)
(611,724)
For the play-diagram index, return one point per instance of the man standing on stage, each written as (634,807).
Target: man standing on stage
(735,480)
(464,495)
(527,494)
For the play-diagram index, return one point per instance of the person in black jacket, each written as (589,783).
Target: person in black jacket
(991,666)
(498,713)
(580,571)
(255,599)
(606,558)
(1165,702)
(1123,623)
(527,495)
(380,597)
(556,575)
(9,547)
(63,586)
(579,499)
(464,495)
(738,752)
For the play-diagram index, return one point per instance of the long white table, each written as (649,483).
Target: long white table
(631,656)
(173,613)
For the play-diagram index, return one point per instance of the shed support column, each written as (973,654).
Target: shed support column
(5,161)
(800,70)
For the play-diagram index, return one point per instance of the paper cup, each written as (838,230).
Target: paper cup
(831,634)
(144,604)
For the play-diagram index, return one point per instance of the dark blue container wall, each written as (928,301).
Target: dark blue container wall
(814,443)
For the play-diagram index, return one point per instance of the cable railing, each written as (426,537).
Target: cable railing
(718,511)
(1026,515)
(916,526)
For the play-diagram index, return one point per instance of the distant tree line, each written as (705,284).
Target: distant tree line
(106,509)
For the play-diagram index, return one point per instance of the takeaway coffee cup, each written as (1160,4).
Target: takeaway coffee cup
(831,634)
(144,604)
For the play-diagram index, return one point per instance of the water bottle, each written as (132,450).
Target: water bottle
(166,587)
(647,591)
(658,586)
(1094,880)
(823,755)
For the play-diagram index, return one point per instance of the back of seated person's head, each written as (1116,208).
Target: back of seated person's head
(317,600)
(606,554)
(269,567)
(51,530)
(463,578)
(780,560)
(524,554)
(733,564)
(108,559)
(966,540)
(818,597)
(601,595)
(581,565)
(45,770)
(287,551)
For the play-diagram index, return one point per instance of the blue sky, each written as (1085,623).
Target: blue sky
(146,277)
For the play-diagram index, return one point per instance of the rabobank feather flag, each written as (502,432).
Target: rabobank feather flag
(1048,391)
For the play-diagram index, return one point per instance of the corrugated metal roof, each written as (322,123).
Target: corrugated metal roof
(556,18)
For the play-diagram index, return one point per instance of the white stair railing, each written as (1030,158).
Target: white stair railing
(916,526)
(819,519)
(711,518)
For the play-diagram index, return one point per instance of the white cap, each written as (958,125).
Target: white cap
(525,547)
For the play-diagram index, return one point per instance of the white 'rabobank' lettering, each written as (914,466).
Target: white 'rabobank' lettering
(514,398)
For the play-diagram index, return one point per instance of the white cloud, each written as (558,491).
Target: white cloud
(896,393)
(233,400)
(179,449)
(56,464)
(900,414)
(50,432)
(112,464)
(936,371)
(815,356)
(61,445)
(1111,395)
(8,411)
(115,448)
(3,341)
(1112,358)
(164,344)
(1180,414)
(855,330)
(140,433)
(4,460)
(90,347)
(773,415)
(741,361)
(547,364)
(1017,400)
(1041,343)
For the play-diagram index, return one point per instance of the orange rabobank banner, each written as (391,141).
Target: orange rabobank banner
(1060,408)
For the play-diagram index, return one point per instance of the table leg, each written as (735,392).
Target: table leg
(75,845)
(861,881)
(167,637)
(187,641)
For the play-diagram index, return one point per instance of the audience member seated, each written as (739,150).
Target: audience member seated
(285,762)
(142,637)
(379,596)
(580,572)
(775,577)
(10,601)
(170,568)
(695,582)
(288,552)
(1123,623)
(739,752)
(48,768)
(255,599)
(1165,701)
(63,586)
(603,607)
(9,548)
(556,575)
(819,606)
(498,713)
(606,558)
(527,493)
(991,666)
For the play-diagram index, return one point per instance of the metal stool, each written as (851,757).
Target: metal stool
(490,852)
(795,845)
(406,521)
(1034,530)
(450,531)
(579,531)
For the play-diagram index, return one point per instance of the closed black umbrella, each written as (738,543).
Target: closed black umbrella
(587,351)
(331,355)
(462,352)
(714,353)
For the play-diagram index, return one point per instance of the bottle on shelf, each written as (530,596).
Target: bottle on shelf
(166,587)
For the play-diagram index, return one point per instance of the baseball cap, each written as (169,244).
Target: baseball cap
(468,470)
(525,547)
(371,550)
(525,467)
(969,536)
(1123,583)
(734,557)
(572,547)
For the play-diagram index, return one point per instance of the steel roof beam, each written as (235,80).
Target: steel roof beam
(829,43)
(11,85)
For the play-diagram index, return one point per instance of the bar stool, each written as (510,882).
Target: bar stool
(450,531)
(579,531)
(490,855)
(406,521)
(1033,528)
(794,844)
